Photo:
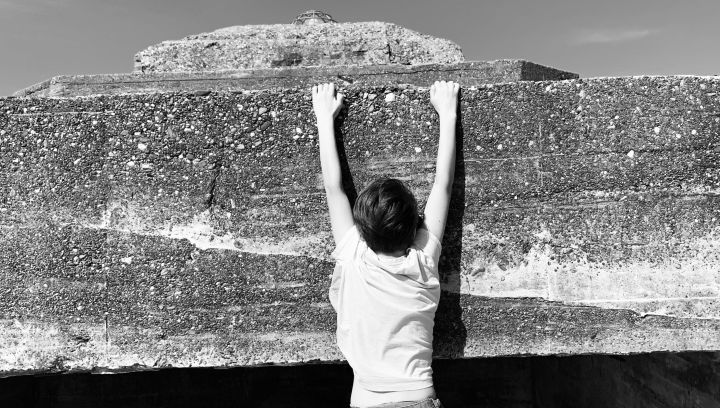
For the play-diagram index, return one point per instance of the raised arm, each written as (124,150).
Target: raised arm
(443,96)
(327,104)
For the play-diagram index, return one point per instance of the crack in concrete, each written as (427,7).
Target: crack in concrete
(210,195)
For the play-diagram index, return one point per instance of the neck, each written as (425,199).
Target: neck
(394,254)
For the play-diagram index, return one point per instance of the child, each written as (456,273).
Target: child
(385,287)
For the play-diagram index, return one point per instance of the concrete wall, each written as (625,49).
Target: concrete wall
(186,230)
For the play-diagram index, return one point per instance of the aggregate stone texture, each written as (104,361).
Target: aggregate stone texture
(289,45)
(466,73)
(186,230)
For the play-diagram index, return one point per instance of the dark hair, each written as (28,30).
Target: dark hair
(386,215)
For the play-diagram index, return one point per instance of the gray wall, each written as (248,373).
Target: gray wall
(185,230)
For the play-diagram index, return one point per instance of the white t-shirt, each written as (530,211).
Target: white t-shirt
(385,311)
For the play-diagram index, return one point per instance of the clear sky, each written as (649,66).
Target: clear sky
(43,38)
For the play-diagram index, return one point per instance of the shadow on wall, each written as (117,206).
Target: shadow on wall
(450,334)
(348,183)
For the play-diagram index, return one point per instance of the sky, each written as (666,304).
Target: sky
(43,38)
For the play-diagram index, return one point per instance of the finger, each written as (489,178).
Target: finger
(340,97)
(331,87)
(314,89)
(456,87)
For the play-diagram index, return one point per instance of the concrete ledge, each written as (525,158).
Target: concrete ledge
(467,73)
(178,229)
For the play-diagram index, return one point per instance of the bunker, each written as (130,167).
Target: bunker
(174,218)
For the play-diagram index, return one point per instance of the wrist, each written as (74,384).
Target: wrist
(448,116)
(324,117)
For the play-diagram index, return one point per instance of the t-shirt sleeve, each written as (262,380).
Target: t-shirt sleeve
(344,251)
(347,245)
(429,244)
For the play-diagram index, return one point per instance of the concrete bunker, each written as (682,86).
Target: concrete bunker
(172,217)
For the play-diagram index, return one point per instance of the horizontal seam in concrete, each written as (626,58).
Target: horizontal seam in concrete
(60,113)
(591,203)
(283,195)
(240,77)
(645,300)
(513,158)
(589,153)
(571,304)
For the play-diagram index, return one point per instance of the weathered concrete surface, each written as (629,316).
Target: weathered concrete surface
(176,229)
(469,73)
(285,45)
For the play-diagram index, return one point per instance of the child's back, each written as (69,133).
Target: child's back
(386,308)
(385,286)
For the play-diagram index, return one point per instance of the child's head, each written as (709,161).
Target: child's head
(386,215)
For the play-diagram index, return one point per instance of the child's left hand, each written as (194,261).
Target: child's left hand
(326,103)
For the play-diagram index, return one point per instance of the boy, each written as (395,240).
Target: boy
(385,286)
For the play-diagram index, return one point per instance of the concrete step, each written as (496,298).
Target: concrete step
(467,73)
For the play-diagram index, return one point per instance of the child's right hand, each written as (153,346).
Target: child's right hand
(444,96)
(326,103)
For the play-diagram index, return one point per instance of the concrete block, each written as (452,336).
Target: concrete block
(584,219)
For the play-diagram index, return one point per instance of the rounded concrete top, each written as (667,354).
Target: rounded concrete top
(312,17)
(294,45)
